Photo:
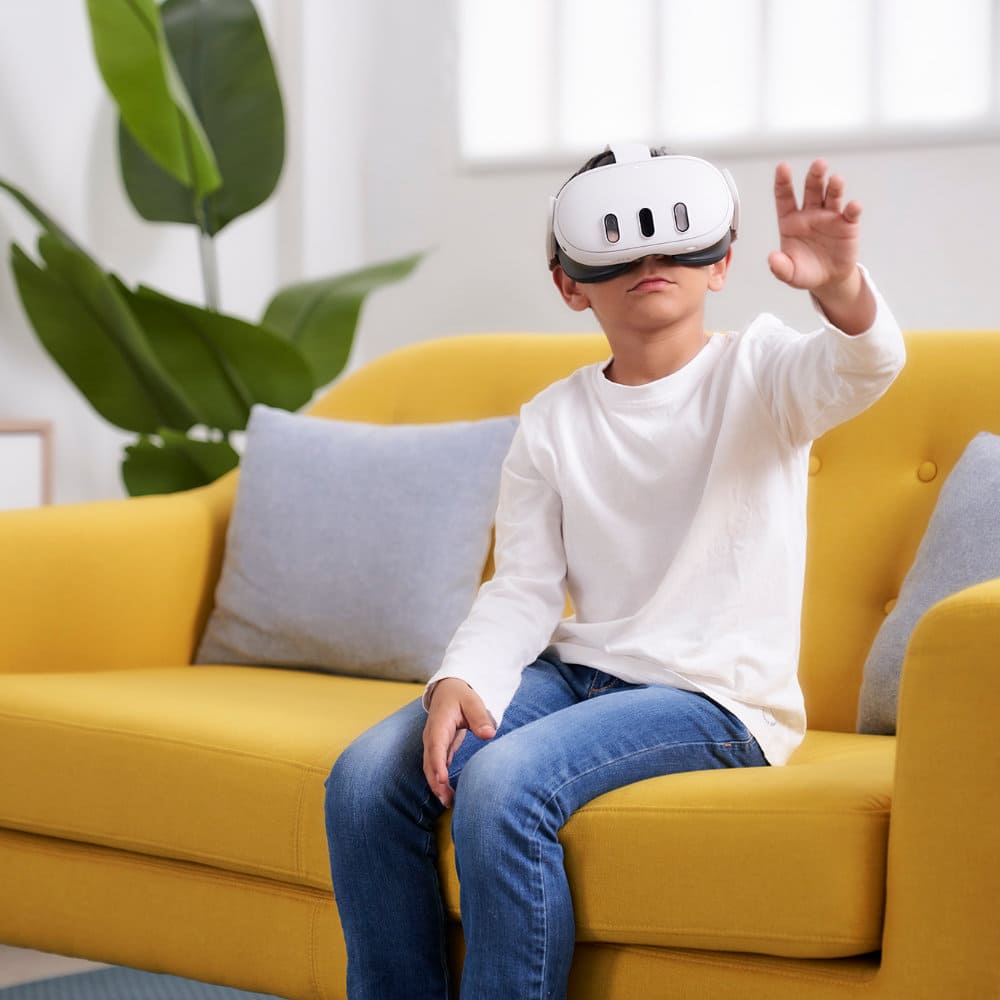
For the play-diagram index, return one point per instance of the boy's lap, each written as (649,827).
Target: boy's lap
(565,719)
(550,736)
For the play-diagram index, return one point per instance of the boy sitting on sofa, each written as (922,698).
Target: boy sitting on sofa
(665,487)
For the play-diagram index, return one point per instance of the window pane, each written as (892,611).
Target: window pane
(817,72)
(503,77)
(537,77)
(935,59)
(708,72)
(606,59)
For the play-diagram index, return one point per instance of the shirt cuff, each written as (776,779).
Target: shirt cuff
(879,348)
(425,699)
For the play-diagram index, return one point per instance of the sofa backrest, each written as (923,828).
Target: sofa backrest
(873,485)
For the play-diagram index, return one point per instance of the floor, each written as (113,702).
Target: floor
(19,965)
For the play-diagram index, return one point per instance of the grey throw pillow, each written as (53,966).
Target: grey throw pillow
(960,548)
(355,548)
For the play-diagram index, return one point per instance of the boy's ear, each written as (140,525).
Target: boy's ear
(718,271)
(573,293)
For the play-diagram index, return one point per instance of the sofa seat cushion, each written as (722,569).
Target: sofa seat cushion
(222,765)
(784,861)
(225,765)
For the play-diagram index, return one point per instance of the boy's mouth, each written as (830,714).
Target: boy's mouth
(651,282)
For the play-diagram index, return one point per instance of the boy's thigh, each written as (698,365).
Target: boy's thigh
(585,749)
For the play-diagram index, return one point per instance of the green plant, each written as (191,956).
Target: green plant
(201,141)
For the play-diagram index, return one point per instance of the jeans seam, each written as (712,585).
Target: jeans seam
(617,684)
(601,690)
(428,841)
(544,920)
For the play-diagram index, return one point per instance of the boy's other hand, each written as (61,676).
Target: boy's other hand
(454,708)
(819,240)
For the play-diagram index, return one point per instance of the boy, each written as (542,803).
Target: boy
(665,488)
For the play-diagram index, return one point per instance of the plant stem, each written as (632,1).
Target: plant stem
(209,261)
(209,270)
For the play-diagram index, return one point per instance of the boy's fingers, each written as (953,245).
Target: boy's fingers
(784,190)
(853,211)
(437,737)
(455,744)
(479,719)
(813,194)
(834,194)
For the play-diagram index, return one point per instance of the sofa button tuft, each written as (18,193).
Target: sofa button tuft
(815,464)
(889,605)
(926,472)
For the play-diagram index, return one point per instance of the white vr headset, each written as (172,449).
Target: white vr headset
(605,219)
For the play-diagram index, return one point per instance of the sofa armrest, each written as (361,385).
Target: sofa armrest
(944,860)
(111,584)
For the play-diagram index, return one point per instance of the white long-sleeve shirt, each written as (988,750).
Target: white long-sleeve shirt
(675,514)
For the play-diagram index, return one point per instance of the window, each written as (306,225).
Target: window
(548,79)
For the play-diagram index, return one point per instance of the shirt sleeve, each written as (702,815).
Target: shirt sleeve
(813,382)
(516,611)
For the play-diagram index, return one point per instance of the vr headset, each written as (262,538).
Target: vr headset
(603,220)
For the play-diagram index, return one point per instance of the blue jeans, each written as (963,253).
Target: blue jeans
(570,734)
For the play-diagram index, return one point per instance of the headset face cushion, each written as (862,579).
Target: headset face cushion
(592,275)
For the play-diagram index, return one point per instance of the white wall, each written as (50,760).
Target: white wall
(372,171)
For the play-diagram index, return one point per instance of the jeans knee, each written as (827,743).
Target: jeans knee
(378,778)
(361,778)
(491,796)
(348,784)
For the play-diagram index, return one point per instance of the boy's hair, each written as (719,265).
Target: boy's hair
(606,157)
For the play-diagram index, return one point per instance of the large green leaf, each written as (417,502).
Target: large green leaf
(225,364)
(176,463)
(320,317)
(221,53)
(135,61)
(83,322)
(42,218)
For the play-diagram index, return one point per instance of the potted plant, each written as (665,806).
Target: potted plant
(201,142)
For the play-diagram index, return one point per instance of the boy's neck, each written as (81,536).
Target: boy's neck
(637,360)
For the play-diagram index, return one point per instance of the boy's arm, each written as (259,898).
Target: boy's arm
(515,612)
(812,383)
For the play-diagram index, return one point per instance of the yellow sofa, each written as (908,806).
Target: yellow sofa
(170,817)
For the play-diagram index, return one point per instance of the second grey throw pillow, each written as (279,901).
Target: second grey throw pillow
(960,548)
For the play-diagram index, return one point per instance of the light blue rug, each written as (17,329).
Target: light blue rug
(124,984)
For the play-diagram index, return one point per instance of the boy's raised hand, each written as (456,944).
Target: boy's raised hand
(819,246)
(819,240)
(454,708)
